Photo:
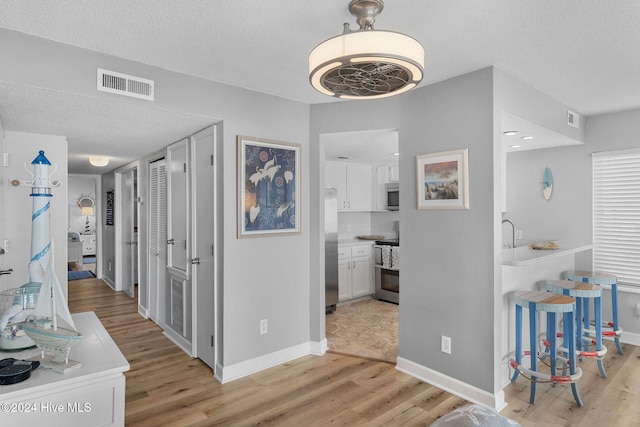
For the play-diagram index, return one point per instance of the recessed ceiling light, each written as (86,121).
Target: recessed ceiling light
(510,132)
(527,137)
(515,146)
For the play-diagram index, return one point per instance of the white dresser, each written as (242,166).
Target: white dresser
(92,395)
(88,244)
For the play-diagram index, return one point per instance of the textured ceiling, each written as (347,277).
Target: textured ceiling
(584,53)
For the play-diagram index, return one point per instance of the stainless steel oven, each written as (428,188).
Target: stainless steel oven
(387,284)
(387,270)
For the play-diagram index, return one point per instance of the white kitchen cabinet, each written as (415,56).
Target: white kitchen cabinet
(354,183)
(354,272)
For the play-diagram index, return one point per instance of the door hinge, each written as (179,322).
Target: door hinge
(171,242)
(211,340)
(184,167)
(212,160)
(195,260)
(211,249)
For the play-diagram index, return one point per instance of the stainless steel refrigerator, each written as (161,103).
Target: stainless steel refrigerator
(331,249)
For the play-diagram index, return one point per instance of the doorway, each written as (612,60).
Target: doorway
(85,218)
(362,325)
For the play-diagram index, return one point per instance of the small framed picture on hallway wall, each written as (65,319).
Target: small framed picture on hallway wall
(442,180)
(268,187)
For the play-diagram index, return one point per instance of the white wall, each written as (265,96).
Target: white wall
(80,186)
(22,149)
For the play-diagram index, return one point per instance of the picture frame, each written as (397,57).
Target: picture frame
(268,187)
(442,180)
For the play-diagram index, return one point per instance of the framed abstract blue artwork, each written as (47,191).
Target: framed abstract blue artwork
(268,187)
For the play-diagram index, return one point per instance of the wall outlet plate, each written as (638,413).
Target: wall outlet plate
(445,344)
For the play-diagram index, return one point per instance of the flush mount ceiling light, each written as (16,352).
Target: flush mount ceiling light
(510,132)
(99,161)
(366,63)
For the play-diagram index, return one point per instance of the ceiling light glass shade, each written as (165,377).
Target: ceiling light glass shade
(99,161)
(366,64)
(87,211)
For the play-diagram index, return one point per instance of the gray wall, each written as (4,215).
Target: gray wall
(447,258)
(566,217)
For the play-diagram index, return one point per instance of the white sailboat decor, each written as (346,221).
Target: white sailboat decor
(51,326)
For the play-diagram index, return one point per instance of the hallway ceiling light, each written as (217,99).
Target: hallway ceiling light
(526,137)
(99,161)
(510,132)
(366,63)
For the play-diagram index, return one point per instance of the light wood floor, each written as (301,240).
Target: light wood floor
(166,387)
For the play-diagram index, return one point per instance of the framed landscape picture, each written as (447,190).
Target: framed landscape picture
(442,180)
(268,187)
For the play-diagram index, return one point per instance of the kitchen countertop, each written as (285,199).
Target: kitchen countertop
(354,242)
(524,255)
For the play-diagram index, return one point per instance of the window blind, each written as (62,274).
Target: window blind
(616,215)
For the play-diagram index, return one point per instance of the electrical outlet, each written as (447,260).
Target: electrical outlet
(445,344)
(518,234)
(263,327)
(5,245)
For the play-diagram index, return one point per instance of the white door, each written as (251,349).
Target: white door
(157,256)
(202,242)
(129,235)
(178,318)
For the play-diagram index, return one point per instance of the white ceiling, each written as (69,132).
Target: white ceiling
(584,53)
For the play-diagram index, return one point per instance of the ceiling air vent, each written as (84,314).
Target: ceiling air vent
(573,119)
(123,84)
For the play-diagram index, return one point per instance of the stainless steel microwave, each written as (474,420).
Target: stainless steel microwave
(392,196)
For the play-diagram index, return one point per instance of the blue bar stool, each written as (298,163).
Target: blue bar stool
(582,292)
(552,304)
(612,330)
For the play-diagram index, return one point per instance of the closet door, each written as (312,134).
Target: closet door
(202,242)
(157,257)
(178,317)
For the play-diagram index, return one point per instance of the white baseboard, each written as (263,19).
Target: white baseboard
(452,385)
(319,348)
(109,283)
(224,374)
(630,338)
(143,312)
(178,340)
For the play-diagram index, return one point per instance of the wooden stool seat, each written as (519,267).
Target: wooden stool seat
(552,304)
(612,329)
(582,292)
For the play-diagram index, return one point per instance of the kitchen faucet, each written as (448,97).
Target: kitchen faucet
(513,232)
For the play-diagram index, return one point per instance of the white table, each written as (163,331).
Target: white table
(91,395)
